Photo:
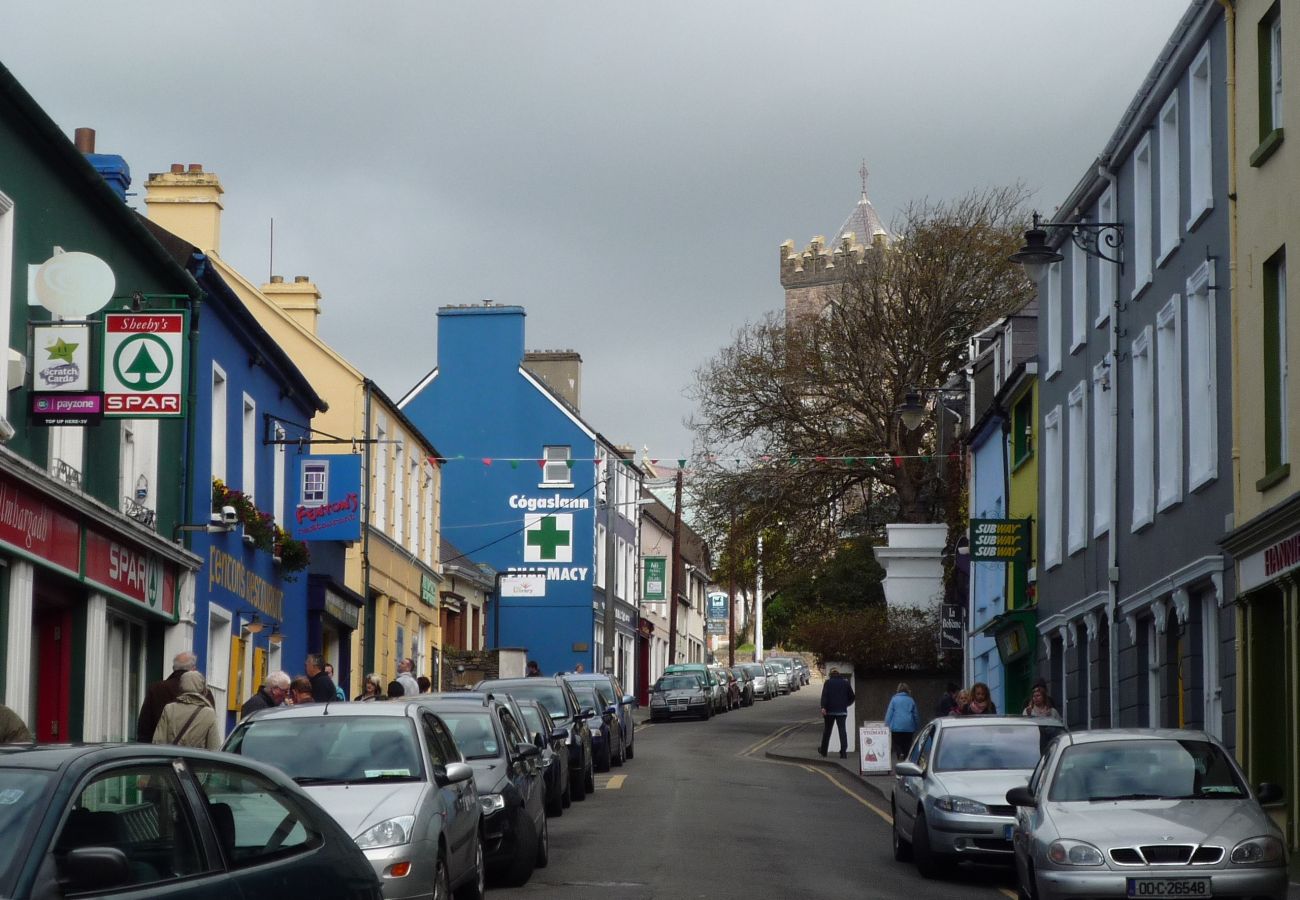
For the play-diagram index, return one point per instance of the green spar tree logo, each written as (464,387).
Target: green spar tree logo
(141,350)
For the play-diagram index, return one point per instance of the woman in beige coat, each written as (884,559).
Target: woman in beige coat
(189,720)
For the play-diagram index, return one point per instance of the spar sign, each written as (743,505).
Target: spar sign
(144,365)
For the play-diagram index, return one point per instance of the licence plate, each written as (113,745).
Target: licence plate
(1169,887)
(1006,832)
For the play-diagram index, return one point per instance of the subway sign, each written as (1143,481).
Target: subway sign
(999,540)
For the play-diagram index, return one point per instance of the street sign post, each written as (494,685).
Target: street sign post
(654,572)
(999,540)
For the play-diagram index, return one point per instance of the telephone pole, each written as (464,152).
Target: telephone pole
(611,566)
(677,565)
(731,592)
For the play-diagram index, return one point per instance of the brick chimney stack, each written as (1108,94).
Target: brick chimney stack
(301,299)
(187,202)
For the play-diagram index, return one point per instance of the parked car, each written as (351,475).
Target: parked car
(569,716)
(623,704)
(555,756)
(782,674)
(764,687)
(391,775)
(787,666)
(745,682)
(732,687)
(606,727)
(948,798)
(1145,813)
(805,673)
(162,821)
(511,786)
(709,678)
(680,695)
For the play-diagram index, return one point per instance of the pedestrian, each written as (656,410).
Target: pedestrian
(370,689)
(160,693)
(532,670)
(981,703)
(837,697)
(322,686)
(406,675)
(271,694)
(338,688)
(13,730)
(947,701)
(426,686)
(579,668)
(963,698)
(1040,702)
(189,720)
(395,690)
(300,691)
(902,720)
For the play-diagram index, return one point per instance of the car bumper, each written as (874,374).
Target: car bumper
(418,882)
(694,708)
(1245,883)
(987,837)
(499,839)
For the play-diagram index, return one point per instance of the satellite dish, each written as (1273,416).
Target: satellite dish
(74,285)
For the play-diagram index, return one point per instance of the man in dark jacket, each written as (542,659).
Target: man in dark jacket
(160,693)
(837,697)
(948,702)
(322,686)
(271,694)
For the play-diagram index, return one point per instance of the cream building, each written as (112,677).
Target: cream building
(395,568)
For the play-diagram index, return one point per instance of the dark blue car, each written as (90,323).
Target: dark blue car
(567,712)
(614,708)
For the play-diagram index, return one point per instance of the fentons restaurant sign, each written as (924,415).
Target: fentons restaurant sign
(1263,566)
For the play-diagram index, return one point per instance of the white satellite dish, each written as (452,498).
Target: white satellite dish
(73,285)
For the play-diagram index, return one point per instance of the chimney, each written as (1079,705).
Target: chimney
(561,370)
(187,202)
(111,167)
(301,299)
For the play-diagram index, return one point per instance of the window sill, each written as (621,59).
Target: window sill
(1168,252)
(1140,289)
(1168,503)
(1274,478)
(1200,215)
(555,486)
(1142,524)
(1077,345)
(1202,479)
(1102,319)
(1100,530)
(1020,463)
(1076,549)
(1053,373)
(1266,148)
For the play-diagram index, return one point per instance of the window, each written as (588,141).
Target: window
(6,281)
(1107,272)
(556,467)
(1169,178)
(1169,404)
(255,819)
(600,557)
(1078,297)
(1052,488)
(1270,85)
(1022,429)
(1142,216)
(218,426)
(1275,370)
(277,477)
(413,492)
(218,656)
(248,462)
(1077,533)
(399,491)
(1053,319)
(124,690)
(1143,432)
(379,482)
(430,488)
(1202,380)
(315,482)
(1103,475)
(1200,161)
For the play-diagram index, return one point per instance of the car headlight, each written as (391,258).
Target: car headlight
(961,805)
(1074,853)
(658,700)
(491,803)
(1258,851)
(387,834)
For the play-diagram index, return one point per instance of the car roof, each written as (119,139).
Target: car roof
(395,707)
(995,720)
(585,676)
(532,679)
(55,757)
(1100,735)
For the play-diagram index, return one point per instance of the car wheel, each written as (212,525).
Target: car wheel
(555,803)
(578,785)
(476,888)
(441,884)
(622,752)
(1026,891)
(630,752)
(602,764)
(567,799)
(928,863)
(526,838)
(902,849)
(544,846)
(589,779)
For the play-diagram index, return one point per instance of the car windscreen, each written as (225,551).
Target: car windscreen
(473,732)
(756,670)
(586,691)
(1163,769)
(333,749)
(22,802)
(677,683)
(974,747)
(533,719)
(549,693)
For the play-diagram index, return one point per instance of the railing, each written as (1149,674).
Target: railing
(66,473)
(138,511)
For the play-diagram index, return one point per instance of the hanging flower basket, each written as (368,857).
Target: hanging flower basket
(260,530)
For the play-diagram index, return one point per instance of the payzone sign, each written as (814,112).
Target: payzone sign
(144,365)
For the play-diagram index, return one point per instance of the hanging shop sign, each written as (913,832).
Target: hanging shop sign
(61,358)
(654,572)
(950,631)
(999,540)
(428,590)
(144,365)
(329,499)
(718,606)
(66,409)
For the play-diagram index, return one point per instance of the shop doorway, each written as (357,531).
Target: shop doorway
(52,642)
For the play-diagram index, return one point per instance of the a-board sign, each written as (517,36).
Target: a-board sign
(873,749)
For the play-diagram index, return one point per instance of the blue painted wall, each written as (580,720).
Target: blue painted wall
(988,583)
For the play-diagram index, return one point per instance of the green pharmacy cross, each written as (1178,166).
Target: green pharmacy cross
(548,536)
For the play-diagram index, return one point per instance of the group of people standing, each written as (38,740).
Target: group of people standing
(903,719)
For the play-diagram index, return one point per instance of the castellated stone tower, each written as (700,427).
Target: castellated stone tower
(812,279)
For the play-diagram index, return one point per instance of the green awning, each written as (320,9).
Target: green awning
(1016,632)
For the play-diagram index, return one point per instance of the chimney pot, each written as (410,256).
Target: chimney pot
(300,279)
(178,168)
(277,279)
(84,139)
(196,168)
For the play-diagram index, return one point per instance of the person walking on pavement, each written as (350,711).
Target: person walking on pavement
(963,698)
(339,693)
(271,694)
(981,703)
(1040,703)
(902,721)
(189,720)
(406,678)
(13,730)
(837,697)
(322,686)
(371,689)
(160,693)
(948,701)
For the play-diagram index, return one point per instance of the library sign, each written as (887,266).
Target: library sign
(999,540)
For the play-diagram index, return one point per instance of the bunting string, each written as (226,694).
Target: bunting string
(761,461)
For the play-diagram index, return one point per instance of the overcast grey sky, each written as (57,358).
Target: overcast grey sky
(625,171)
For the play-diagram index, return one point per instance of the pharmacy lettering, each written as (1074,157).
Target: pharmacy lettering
(227,573)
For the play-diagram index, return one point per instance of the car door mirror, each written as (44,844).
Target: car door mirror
(538,740)
(94,868)
(909,769)
(586,713)
(1021,796)
(1268,792)
(629,700)
(527,751)
(455,773)
(560,734)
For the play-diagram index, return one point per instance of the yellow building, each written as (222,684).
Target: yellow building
(393,572)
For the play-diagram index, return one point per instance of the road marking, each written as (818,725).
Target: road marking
(1010,893)
(643,726)
(614,783)
(774,736)
(833,780)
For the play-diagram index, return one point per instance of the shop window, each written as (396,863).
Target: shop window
(124,690)
(218,656)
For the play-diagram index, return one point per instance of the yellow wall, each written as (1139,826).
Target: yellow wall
(1022,503)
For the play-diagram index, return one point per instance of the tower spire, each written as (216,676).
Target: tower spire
(864,172)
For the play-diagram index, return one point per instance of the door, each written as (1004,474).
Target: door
(52,627)
(458,799)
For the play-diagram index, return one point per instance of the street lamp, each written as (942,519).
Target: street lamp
(1036,255)
(912,412)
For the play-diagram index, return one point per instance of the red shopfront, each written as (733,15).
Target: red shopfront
(88,596)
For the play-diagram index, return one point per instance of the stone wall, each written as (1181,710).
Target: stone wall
(462,669)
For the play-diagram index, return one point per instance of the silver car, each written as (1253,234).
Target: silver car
(764,686)
(784,675)
(391,775)
(949,795)
(1145,813)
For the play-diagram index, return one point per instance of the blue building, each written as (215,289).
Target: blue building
(525,486)
(988,580)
